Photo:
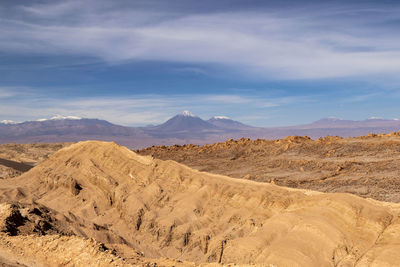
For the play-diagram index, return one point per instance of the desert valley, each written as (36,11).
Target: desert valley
(288,202)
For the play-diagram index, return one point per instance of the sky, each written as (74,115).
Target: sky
(264,63)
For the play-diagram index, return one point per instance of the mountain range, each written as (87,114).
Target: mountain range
(180,129)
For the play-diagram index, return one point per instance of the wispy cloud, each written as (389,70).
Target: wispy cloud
(360,98)
(229,99)
(5,94)
(294,44)
(10,92)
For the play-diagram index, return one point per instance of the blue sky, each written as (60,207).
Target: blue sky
(266,63)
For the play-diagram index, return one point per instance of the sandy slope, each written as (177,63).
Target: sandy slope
(164,209)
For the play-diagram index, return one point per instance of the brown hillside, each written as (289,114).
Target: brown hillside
(161,209)
(366,166)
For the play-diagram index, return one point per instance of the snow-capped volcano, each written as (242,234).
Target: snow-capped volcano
(184,122)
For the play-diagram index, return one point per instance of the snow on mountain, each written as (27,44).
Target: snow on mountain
(187,113)
(221,118)
(59,117)
(7,122)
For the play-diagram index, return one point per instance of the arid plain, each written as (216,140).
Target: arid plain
(288,202)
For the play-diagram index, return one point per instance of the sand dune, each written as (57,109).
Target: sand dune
(162,209)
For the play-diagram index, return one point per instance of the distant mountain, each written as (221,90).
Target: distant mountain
(183,125)
(330,122)
(181,129)
(67,130)
(65,127)
(226,123)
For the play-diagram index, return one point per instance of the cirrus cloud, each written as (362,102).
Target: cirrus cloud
(327,41)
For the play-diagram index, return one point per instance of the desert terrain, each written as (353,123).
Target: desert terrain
(100,204)
(367,166)
(16,159)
